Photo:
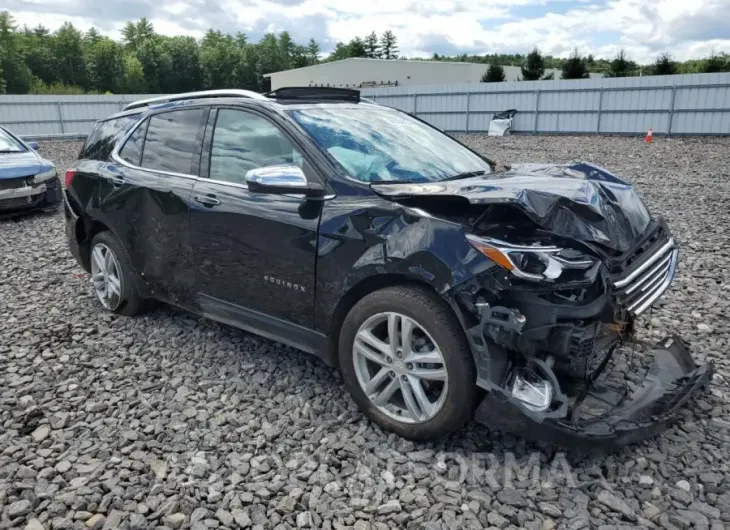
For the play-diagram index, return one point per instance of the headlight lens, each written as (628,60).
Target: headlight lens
(44,176)
(534,263)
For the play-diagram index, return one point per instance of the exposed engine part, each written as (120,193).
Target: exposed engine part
(504,317)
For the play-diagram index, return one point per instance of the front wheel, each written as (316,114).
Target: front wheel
(407,364)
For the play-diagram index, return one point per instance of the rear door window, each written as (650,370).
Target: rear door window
(132,150)
(172,141)
(100,143)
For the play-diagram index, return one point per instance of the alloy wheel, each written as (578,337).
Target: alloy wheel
(400,367)
(106,276)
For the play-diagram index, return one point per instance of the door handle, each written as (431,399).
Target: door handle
(207,200)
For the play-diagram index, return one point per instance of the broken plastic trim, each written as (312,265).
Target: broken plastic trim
(672,381)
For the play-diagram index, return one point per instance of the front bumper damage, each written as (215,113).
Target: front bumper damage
(30,195)
(572,372)
(601,416)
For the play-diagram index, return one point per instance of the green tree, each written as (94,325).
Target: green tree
(14,73)
(68,51)
(534,66)
(621,66)
(186,74)
(356,48)
(133,81)
(372,46)
(575,67)
(39,59)
(494,74)
(92,36)
(155,64)
(135,33)
(106,66)
(664,65)
(220,58)
(716,63)
(286,50)
(313,51)
(388,46)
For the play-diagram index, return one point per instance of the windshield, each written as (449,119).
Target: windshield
(8,144)
(375,145)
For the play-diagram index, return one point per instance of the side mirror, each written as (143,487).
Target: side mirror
(281,180)
(33,145)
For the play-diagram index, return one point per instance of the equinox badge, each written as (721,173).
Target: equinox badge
(283,283)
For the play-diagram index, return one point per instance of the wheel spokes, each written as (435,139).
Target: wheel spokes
(382,397)
(114,286)
(421,398)
(400,368)
(99,259)
(362,347)
(393,319)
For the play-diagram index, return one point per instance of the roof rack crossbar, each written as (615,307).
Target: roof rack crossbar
(318,93)
(222,93)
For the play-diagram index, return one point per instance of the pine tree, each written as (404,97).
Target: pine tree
(621,66)
(388,46)
(313,51)
(494,74)
(534,66)
(575,67)
(372,47)
(664,65)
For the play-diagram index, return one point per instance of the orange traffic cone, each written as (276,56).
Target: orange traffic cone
(649,137)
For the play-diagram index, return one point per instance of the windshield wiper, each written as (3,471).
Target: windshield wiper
(466,175)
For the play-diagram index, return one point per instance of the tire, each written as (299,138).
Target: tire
(439,326)
(128,302)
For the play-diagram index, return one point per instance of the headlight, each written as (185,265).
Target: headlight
(44,176)
(535,263)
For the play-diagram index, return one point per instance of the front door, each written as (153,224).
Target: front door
(255,253)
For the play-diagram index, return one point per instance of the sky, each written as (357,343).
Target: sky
(644,28)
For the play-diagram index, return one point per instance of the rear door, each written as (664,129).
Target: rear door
(145,196)
(255,253)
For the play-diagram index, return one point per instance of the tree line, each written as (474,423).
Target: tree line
(68,61)
(534,65)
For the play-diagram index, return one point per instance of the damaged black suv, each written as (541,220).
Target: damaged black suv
(442,288)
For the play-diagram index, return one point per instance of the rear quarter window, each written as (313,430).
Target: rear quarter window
(104,137)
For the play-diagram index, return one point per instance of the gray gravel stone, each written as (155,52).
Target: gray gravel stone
(170,414)
(20,508)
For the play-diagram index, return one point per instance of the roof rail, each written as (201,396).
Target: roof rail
(223,93)
(318,93)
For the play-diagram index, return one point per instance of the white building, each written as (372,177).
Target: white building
(366,73)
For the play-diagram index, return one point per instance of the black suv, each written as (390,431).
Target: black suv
(438,285)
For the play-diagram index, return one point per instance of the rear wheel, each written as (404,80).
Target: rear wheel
(111,276)
(407,364)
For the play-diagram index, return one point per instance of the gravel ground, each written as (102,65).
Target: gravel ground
(171,421)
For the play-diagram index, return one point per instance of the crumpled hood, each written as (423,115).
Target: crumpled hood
(576,200)
(14,165)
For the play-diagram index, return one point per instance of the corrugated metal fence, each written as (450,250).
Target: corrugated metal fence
(680,104)
(58,116)
(697,104)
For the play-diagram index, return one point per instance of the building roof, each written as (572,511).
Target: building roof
(425,61)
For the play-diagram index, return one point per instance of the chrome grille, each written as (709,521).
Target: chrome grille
(641,287)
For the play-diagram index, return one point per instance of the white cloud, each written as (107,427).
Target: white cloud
(685,28)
